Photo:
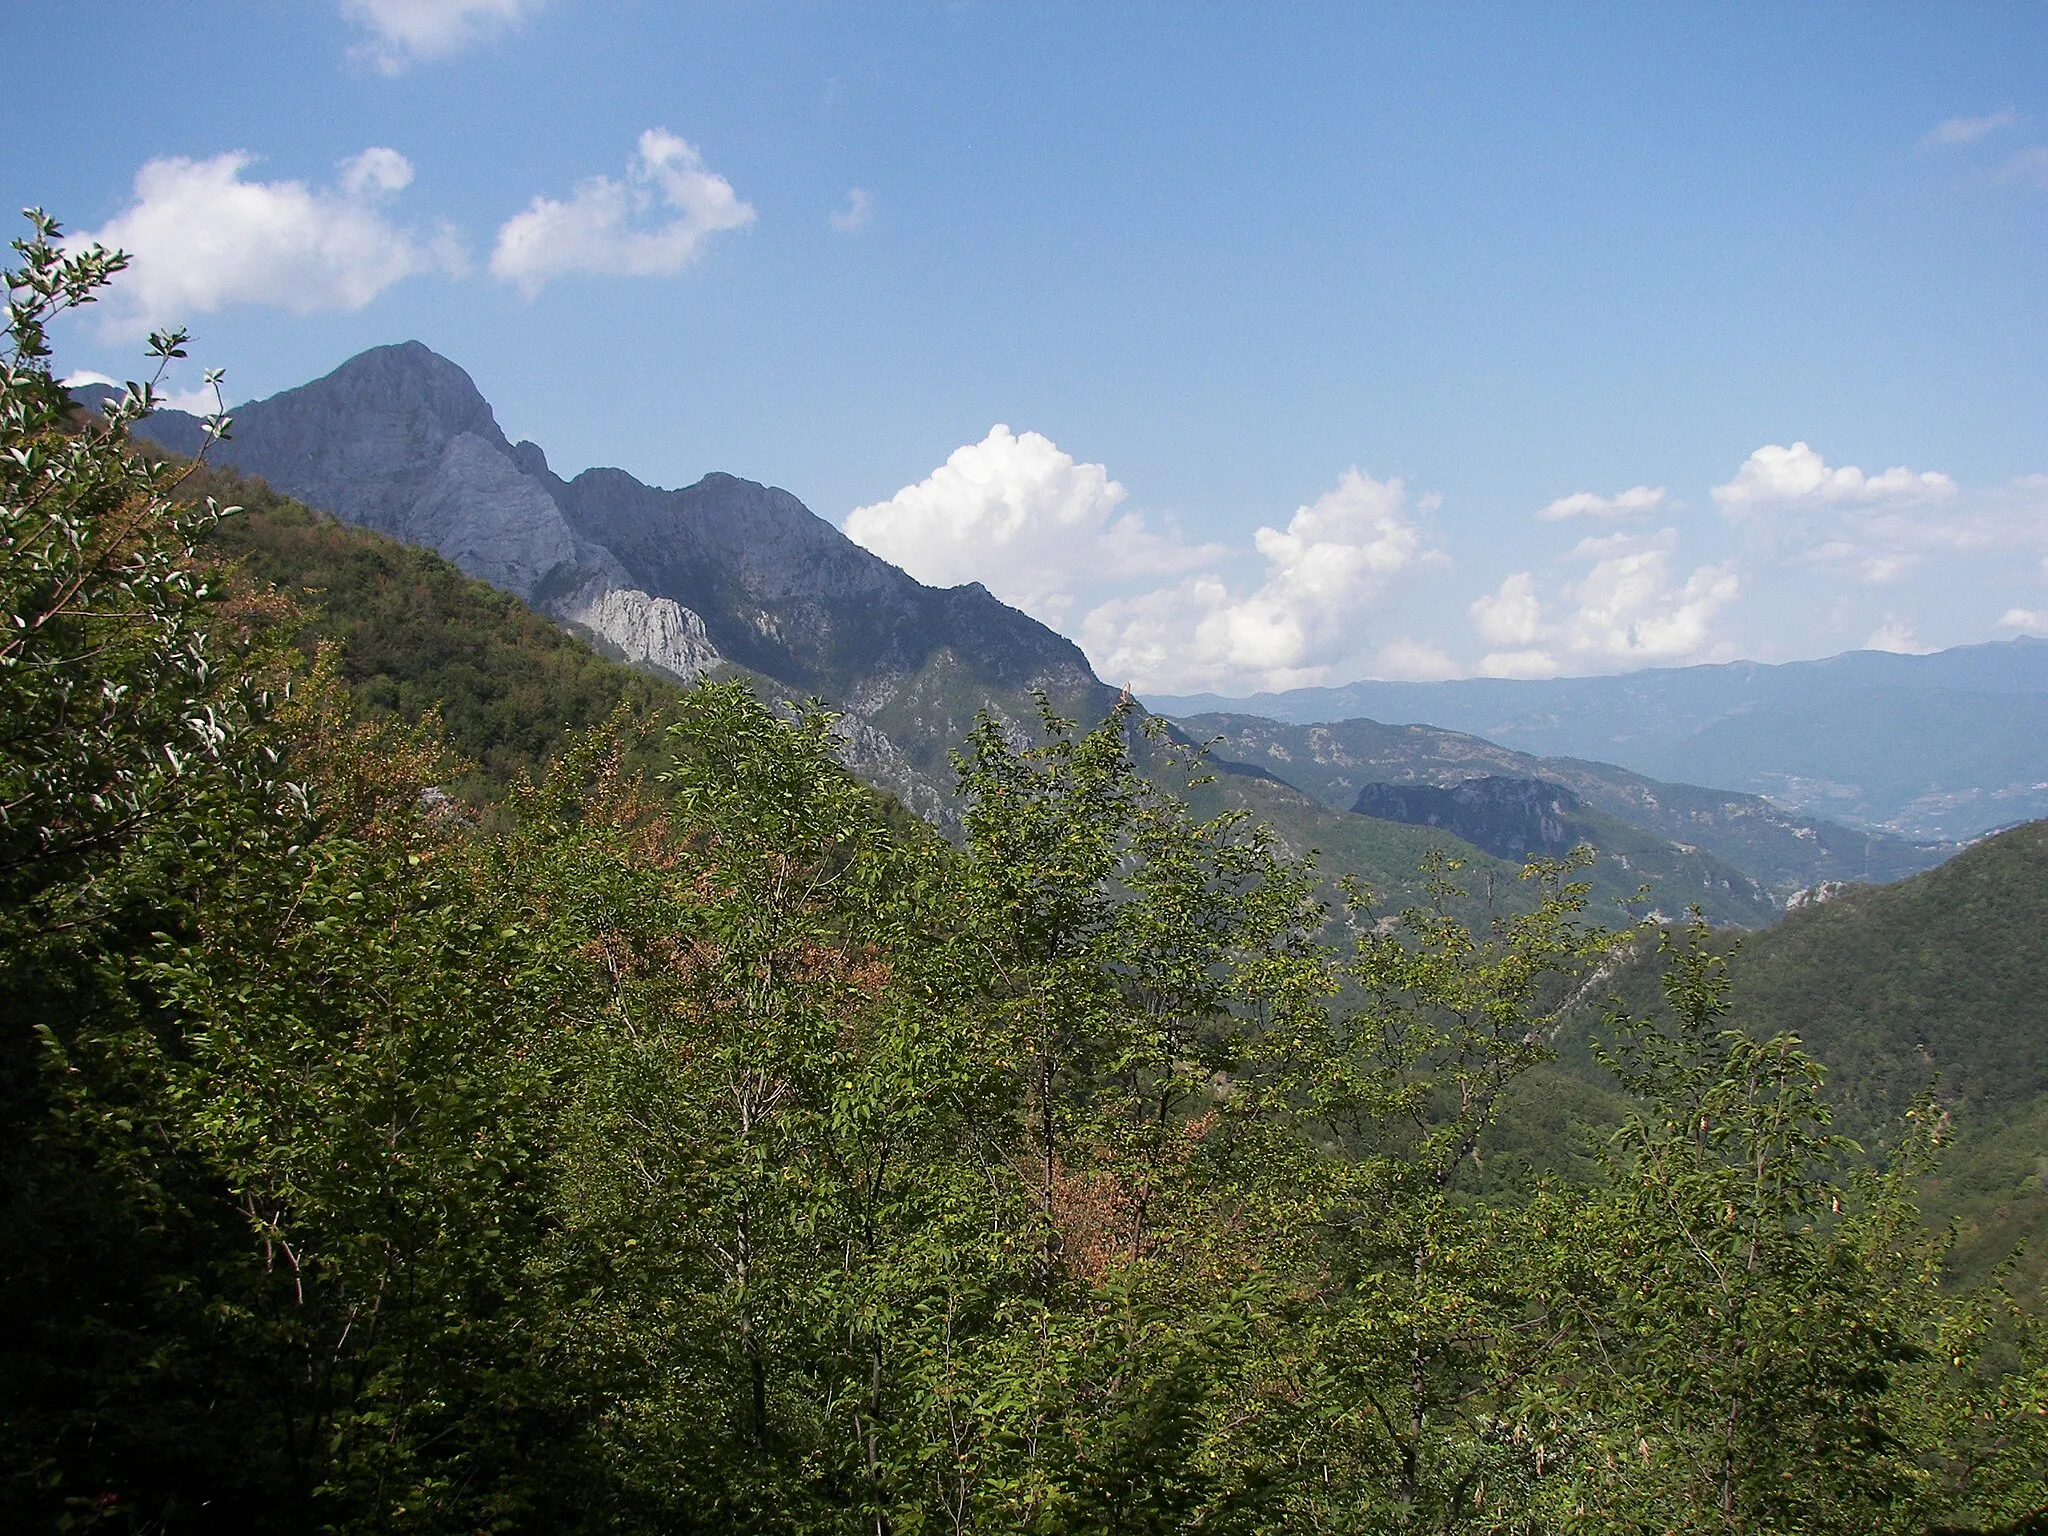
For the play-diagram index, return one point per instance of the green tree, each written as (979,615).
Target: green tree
(1748,1330)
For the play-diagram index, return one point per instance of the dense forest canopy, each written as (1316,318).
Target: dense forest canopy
(677,1141)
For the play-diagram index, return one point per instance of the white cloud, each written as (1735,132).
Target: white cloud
(1627,610)
(1968,130)
(195,402)
(2029,166)
(1511,615)
(1635,502)
(605,227)
(1630,611)
(1323,573)
(1021,516)
(1530,663)
(203,237)
(858,213)
(1896,636)
(1775,476)
(404,31)
(2032,620)
(1412,661)
(1802,518)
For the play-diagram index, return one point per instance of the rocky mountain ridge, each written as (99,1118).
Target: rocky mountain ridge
(1510,818)
(724,572)
(728,573)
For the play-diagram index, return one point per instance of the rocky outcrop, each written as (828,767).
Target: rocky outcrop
(646,631)
(1816,896)
(1507,817)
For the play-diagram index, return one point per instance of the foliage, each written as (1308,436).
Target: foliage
(415,636)
(697,1149)
(104,669)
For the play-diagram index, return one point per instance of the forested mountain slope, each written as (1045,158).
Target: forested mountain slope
(511,687)
(1939,983)
(730,574)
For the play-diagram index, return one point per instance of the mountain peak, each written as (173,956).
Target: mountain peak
(407,378)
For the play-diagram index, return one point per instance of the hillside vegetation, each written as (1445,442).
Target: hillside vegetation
(1937,984)
(414,635)
(681,1145)
(509,687)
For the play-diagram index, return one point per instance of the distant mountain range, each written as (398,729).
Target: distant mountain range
(1784,851)
(1943,746)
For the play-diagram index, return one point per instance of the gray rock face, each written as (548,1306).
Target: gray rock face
(399,440)
(1509,818)
(650,631)
(483,514)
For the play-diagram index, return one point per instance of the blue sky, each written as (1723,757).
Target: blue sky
(1325,342)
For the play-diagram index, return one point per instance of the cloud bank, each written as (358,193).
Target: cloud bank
(203,237)
(652,224)
(1627,610)
(1323,574)
(1050,535)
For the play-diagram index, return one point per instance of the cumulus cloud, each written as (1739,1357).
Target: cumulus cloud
(1018,514)
(1412,661)
(1323,573)
(1512,615)
(858,213)
(1638,501)
(2027,620)
(1628,609)
(1968,130)
(1896,636)
(652,224)
(1875,530)
(404,31)
(1776,476)
(201,237)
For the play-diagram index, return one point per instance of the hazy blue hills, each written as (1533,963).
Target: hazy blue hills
(1942,746)
(1784,851)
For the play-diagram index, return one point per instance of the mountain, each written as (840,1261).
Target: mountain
(1782,850)
(722,575)
(1935,747)
(1518,819)
(415,634)
(728,573)
(725,572)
